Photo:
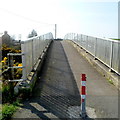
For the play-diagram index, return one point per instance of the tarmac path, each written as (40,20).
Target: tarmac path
(57,89)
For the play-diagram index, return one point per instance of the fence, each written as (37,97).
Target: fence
(105,50)
(32,50)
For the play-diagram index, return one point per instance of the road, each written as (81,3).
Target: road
(57,89)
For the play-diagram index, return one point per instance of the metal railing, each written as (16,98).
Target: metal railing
(105,50)
(11,66)
(32,50)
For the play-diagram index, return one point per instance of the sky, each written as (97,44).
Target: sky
(97,18)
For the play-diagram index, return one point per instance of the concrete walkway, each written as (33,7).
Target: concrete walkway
(101,95)
(57,89)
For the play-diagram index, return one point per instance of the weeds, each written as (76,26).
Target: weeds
(9,109)
(111,82)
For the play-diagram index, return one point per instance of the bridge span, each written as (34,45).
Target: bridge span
(56,93)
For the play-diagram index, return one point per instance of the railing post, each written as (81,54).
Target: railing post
(86,42)
(81,40)
(111,55)
(32,54)
(77,38)
(95,48)
(24,72)
(10,64)
(74,37)
(83,96)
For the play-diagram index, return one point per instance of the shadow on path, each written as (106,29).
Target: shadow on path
(55,90)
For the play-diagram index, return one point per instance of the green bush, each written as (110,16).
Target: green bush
(7,92)
(7,87)
(9,109)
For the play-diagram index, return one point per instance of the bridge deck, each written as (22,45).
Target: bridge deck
(57,89)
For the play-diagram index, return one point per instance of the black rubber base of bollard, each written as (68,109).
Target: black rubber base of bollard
(86,117)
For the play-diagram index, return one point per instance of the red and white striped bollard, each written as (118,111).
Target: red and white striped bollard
(83,96)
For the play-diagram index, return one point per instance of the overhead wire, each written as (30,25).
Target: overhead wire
(29,19)
(24,17)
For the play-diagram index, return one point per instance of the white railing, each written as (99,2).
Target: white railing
(105,50)
(32,50)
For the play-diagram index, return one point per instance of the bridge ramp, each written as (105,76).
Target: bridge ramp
(57,88)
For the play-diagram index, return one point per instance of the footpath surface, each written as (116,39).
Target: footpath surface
(57,95)
(101,95)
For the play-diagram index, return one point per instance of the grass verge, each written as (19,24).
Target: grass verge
(115,39)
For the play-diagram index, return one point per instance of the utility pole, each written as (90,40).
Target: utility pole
(55,31)
(119,34)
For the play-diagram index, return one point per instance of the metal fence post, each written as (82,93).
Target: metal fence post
(24,73)
(111,56)
(32,53)
(119,58)
(81,40)
(95,48)
(86,42)
(10,64)
(77,38)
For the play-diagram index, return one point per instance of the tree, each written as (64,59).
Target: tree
(32,34)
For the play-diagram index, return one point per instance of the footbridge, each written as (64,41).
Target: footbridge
(52,72)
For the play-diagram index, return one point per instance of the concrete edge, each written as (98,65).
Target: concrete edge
(100,67)
(25,88)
